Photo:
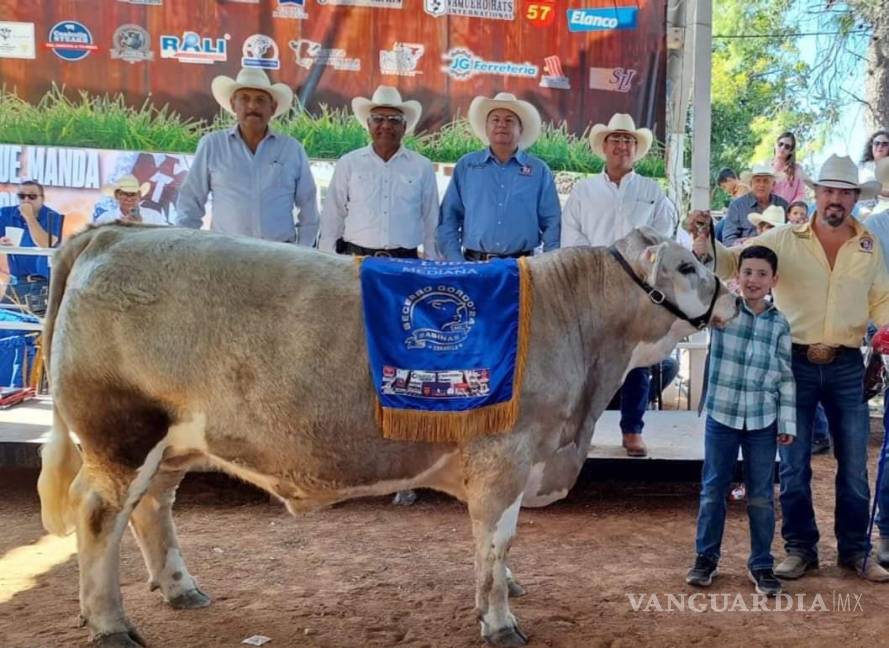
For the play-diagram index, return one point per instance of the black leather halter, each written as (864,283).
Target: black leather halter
(659,298)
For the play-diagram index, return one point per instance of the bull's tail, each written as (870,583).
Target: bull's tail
(60,458)
(61,462)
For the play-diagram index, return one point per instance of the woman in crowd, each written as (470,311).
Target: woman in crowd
(790,183)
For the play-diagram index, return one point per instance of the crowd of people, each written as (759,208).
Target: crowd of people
(787,373)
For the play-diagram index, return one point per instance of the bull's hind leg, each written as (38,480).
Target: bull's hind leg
(152,524)
(108,495)
(494,497)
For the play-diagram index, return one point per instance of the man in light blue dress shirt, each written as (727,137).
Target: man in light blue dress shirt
(501,201)
(256,176)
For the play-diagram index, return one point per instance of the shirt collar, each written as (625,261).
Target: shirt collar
(626,179)
(369,150)
(234,132)
(770,306)
(519,156)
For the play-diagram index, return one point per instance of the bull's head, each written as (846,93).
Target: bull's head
(677,275)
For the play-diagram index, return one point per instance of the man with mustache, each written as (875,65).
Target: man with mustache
(833,281)
(255,175)
(501,201)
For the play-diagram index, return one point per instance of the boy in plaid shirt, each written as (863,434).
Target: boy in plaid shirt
(751,404)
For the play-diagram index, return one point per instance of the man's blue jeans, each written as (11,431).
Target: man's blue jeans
(838,386)
(634,400)
(721,445)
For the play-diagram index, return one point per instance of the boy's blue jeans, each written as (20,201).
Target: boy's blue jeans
(883,492)
(838,386)
(721,445)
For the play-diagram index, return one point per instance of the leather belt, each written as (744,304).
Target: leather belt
(821,353)
(475,255)
(344,247)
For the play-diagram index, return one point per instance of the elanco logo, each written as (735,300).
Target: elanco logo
(607,19)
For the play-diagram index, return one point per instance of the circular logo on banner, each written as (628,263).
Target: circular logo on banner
(71,41)
(260,51)
(439,318)
(131,44)
(540,13)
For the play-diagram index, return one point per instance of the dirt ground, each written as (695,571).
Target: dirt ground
(370,574)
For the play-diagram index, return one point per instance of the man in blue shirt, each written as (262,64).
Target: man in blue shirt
(737,227)
(256,175)
(501,201)
(40,225)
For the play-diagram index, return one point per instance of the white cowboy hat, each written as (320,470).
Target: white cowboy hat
(758,170)
(129,184)
(224,88)
(621,123)
(481,107)
(772,215)
(840,172)
(387,97)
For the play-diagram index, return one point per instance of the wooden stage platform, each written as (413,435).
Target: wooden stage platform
(673,437)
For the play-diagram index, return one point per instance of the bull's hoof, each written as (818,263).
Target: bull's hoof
(507,637)
(515,588)
(190,600)
(130,639)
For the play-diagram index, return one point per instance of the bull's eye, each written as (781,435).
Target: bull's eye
(686,268)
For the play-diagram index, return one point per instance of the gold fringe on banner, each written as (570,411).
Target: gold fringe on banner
(456,427)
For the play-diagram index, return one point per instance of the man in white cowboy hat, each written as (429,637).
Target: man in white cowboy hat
(738,227)
(501,201)
(383,198)
(255,175)
(607,207)
(834,280)
(772,216)
(129,193)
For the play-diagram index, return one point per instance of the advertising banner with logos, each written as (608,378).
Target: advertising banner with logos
(579,61)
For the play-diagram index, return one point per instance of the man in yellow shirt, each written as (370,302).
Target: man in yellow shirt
(833,281)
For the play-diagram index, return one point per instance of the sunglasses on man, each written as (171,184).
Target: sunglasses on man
(392,120)
(28,196)
(621,139)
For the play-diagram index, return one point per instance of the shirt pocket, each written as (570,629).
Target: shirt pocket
(278,179)
(409,190)
(643,211)
(362,188)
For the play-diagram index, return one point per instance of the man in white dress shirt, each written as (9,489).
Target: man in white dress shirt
(607,207)
(129,193)
(383,198)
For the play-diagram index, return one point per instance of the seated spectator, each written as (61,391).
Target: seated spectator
(729,183)
(738,227)
(798,213)
(30,224)
(773,216)
(129,193)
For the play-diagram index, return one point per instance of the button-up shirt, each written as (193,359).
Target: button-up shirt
(253,193)
(823,305)
(750,380)
(379,204)
(737,225)
(503,208)
(21,265)
(599,211)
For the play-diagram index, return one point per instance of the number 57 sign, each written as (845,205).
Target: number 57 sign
(540,13)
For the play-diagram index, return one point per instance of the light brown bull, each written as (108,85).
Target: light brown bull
(174,348)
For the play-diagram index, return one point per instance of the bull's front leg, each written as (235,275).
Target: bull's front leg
(494,495)
(152,524)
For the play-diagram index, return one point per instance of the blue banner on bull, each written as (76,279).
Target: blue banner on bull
(446,345)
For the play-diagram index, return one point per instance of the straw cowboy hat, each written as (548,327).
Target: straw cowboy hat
(772,215)
(840,172)
(387,97)
(224,88)
(758,170)
(621,123)
(481,107)
(129,184)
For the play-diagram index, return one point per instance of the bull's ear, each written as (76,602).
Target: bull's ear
(650,261)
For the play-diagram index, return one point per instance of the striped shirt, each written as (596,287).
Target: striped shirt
(750,381)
